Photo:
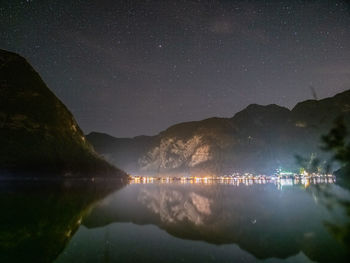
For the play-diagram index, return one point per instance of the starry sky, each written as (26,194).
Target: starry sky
(138,66)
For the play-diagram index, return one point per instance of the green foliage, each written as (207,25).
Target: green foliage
(337,142)
(309,165)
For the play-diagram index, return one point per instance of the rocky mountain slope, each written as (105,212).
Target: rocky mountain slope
(257,139)
(37,132)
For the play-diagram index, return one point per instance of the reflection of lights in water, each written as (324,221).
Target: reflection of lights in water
(236,180)
(307,183)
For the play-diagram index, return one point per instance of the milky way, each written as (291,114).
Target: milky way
(136,67)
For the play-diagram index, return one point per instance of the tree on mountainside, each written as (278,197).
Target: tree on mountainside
(337,141)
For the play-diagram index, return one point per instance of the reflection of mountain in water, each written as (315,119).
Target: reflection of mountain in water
(173,206)
(38,219)
(280,224)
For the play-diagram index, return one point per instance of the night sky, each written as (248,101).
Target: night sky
(136,67)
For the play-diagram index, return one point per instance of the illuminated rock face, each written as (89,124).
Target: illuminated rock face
(175,153)
(201,155)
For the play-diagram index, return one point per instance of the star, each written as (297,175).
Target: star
(121,54)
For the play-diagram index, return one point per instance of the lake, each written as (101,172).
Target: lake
(104,221)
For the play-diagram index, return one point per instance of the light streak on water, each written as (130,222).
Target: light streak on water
(280,182)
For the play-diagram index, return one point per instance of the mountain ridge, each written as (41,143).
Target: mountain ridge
(259,138)
(38,134)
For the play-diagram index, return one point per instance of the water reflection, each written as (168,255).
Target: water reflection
(334,200)
(261,219)
(84,221)
(279,182)
(39,218)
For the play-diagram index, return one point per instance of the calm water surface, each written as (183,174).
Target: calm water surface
(105,222)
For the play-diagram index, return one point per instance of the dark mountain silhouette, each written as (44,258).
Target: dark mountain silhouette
(39,218)
(37,132)
(257,139)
